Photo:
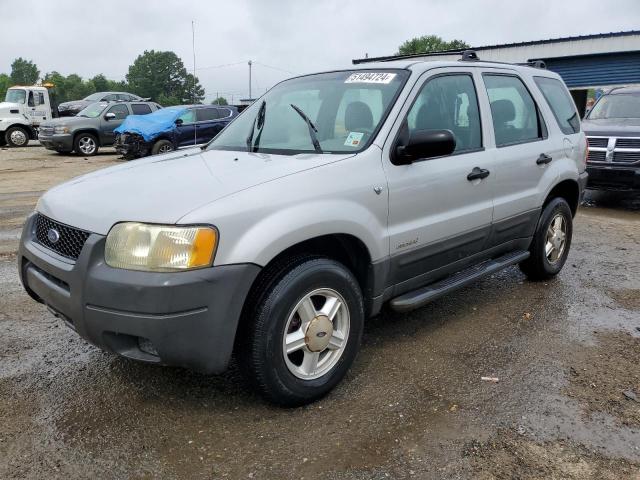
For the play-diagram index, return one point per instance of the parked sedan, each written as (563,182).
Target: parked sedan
(171,128)
(92,128)
(69,109)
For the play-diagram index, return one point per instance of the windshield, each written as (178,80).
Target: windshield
(16,96)
(95,97)
(340,111)
(616,106)
(93,110)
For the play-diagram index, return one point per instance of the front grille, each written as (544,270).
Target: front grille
(46,130)
(599,142)
(70,242)
(596,156)
(626,157)
(627,143)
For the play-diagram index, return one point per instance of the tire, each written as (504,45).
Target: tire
(542,264)
(16,137)
(85,144)
(312,285)
(162,146)
(3,142)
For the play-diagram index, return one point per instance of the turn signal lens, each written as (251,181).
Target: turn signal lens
(160,248)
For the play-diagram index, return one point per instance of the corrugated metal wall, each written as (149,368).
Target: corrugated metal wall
(598,70)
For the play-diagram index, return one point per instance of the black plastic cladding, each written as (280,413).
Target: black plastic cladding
(71,239)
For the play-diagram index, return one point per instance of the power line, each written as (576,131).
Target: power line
(222,66)
(274,68)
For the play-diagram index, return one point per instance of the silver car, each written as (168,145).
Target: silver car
(331,195)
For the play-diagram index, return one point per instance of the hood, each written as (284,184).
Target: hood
(624,127)
(71,121)
(72,103)
(162,189)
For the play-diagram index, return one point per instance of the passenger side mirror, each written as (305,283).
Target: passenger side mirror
(179,121)
(424,144)
(110,116)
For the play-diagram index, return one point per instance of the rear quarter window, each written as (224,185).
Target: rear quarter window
(140,108)
(561,104)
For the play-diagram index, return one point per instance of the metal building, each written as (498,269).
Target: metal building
(584,62)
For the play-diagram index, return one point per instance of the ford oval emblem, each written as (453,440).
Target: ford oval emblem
(53,235)
(321,334)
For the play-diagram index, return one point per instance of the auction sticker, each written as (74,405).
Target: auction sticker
(354,139)
(370,77)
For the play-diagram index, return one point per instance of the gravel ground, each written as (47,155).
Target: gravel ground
(566,352)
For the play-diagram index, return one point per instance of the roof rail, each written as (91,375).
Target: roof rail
(469,56)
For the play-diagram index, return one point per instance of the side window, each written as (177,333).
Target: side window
(187,117)
(449,102)
(140,108)
(123,97)
(31,102)
(206,114)
(121,111)
(224,112)
(515,115)
(40,98)
(110,98)
(561,104)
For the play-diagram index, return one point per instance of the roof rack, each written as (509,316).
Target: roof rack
(469,56)
(472,56)
(535,64)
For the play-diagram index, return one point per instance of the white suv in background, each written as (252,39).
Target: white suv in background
(333,194)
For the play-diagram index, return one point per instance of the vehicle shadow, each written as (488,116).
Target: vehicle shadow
(626,200)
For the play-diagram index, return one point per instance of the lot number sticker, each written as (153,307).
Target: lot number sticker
(354,139)
(370,77)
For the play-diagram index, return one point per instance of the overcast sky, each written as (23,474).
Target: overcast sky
(280,36)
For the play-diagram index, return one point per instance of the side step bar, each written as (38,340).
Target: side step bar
(423,295)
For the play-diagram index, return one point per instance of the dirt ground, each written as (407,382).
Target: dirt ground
(566,352)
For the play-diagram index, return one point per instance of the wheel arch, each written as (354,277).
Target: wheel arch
(33,135)
(92,131)
(567,189)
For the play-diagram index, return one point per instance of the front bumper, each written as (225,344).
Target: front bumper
(132,146)
(186,319)
(613,178)
(59,143)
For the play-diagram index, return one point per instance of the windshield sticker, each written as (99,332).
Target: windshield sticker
(353,139)
(370,77)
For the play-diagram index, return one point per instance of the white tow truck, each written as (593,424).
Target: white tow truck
(22,111)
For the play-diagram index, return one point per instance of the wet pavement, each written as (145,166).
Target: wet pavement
(566,353)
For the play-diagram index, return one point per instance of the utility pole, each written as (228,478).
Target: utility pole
(249,79)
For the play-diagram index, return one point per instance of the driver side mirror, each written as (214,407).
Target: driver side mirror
(179,121)
(110,116)
(424,144)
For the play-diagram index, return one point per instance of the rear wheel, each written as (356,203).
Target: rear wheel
(16,137)
(302,330)
(86,144)
(551,241)
(162,146)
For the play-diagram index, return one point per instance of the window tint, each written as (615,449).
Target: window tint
(515,116)
(206,114)
(110,98)
(123,97)
(224,112)
(41,98)
(121,111)
(31,102)
(188,117)
(140,108)
(561,104)
(449,103)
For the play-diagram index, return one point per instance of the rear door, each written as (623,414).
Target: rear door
(121,111)
(208,123)
(522,153)
(438,217)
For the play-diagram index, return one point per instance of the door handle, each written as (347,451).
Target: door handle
(478,173)
(543,159)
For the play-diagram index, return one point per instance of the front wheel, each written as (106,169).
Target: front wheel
(86,144)
(302,330)
(551,241)
(17,137)
(162,146)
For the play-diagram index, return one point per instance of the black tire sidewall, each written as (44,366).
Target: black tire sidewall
(557,205)
(76,143)
(278,382)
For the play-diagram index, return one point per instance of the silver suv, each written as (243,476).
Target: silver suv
(331,195)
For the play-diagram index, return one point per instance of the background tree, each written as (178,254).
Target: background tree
(5,83)
(24,72)
(100,83)
(163,77)
(219,101)
(428,44)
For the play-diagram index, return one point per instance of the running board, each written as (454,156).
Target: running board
(422,296)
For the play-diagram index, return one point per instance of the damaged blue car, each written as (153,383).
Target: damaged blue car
(171,128)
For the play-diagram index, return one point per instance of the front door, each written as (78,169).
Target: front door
(121,111)
(186,131)
(439,215)
(38,107)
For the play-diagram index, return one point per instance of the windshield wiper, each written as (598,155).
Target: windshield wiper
(260,121)
(312,129)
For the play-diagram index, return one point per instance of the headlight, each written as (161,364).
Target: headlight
(160,248)
(60,129)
